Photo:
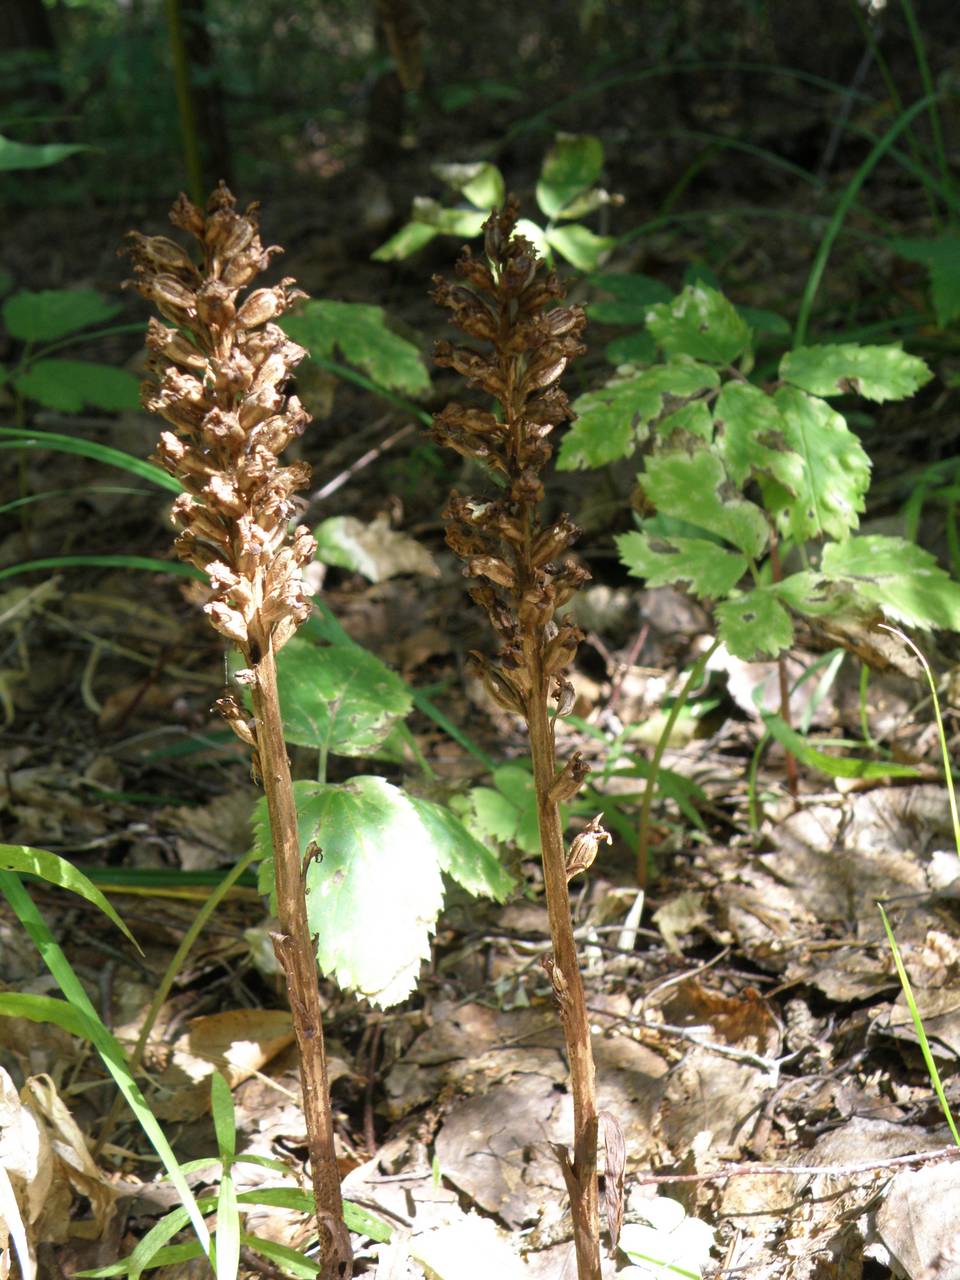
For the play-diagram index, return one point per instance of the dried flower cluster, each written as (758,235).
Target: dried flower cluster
(218,378)
(524,575)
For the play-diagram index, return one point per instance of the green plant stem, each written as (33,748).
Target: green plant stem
(919,52)
(296,954)
(581,1176)
(197,925)
(185,101)
(359,380)
(643,837)
(843,208)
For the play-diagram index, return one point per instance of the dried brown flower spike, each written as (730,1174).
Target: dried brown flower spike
(507,302)
(218,377)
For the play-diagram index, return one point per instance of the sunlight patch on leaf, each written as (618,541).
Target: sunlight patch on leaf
(751,440)
(690,486)
(702,323)
(709,570)
(903,579)
(876,373)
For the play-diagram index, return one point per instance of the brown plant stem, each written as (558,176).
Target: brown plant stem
(580,1176)
(296,953)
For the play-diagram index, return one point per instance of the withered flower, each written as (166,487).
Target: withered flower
(218,377)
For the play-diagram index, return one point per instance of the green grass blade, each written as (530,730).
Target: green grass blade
(57,871)
(32,498)
(176,567)
(22,438)
(931,1066)
(103,1041)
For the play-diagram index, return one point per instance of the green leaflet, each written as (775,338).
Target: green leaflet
(571,165)
(480,182)
(754,624)
(941,257)
(903,579)
(689,486)
(876,373)
(751,438)
(70,385)
(611,420)
(375,889)
(701,323)
(364,338)
(53,313)
(579,245)
(340,699)
(710,571)
(836,470)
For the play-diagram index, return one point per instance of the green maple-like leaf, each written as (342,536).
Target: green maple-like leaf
(709,570)
(69,385)
(903,579)
(941,257)
(612,420)
(751,439)
(877,373)
(692,487)
(836,470)
(54,313)
(362,335)
(700,323)
(754,624)
(340,699)
(375,890)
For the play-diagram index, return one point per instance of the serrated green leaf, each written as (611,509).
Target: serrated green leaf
(57,871)
(754,624)
(633,295)
(410,239)
(53,313)
(449,221)
(459,855)
(700,322)
(833,766)
(571,165)
(364,338)
(709,570)
(876,373)
(633,348)
(810,593)
(581,247)
(693,419)
(69,385)
(903,579)
(836,470)
(480,182)
(613,419)
(341,699)
(26,155)
(689,486)
(941,257)
(493,816)
(374,895)
(751,439)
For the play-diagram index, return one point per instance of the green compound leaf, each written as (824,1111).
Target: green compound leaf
(69,385)
(364,338)
(688,486)
(53,313)
(836,470)
(701,323)
(340,699)
(481,183)
(410,239)
(633,296)
(710,571)
(903,579)
(941,257)
(25,155)
(877,373)
(633,348)
(754,624)
(374,894)
(507,811)
(613,419)
(751,439)
(53,869)
(581,247)
(571,165)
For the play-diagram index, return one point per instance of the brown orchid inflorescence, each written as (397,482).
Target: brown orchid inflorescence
(218,378)
(523,577)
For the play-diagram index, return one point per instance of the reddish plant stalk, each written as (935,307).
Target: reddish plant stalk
(522,579)
(218,377)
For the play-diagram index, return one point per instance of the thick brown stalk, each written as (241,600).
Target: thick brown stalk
(581,1176)
(296,953)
